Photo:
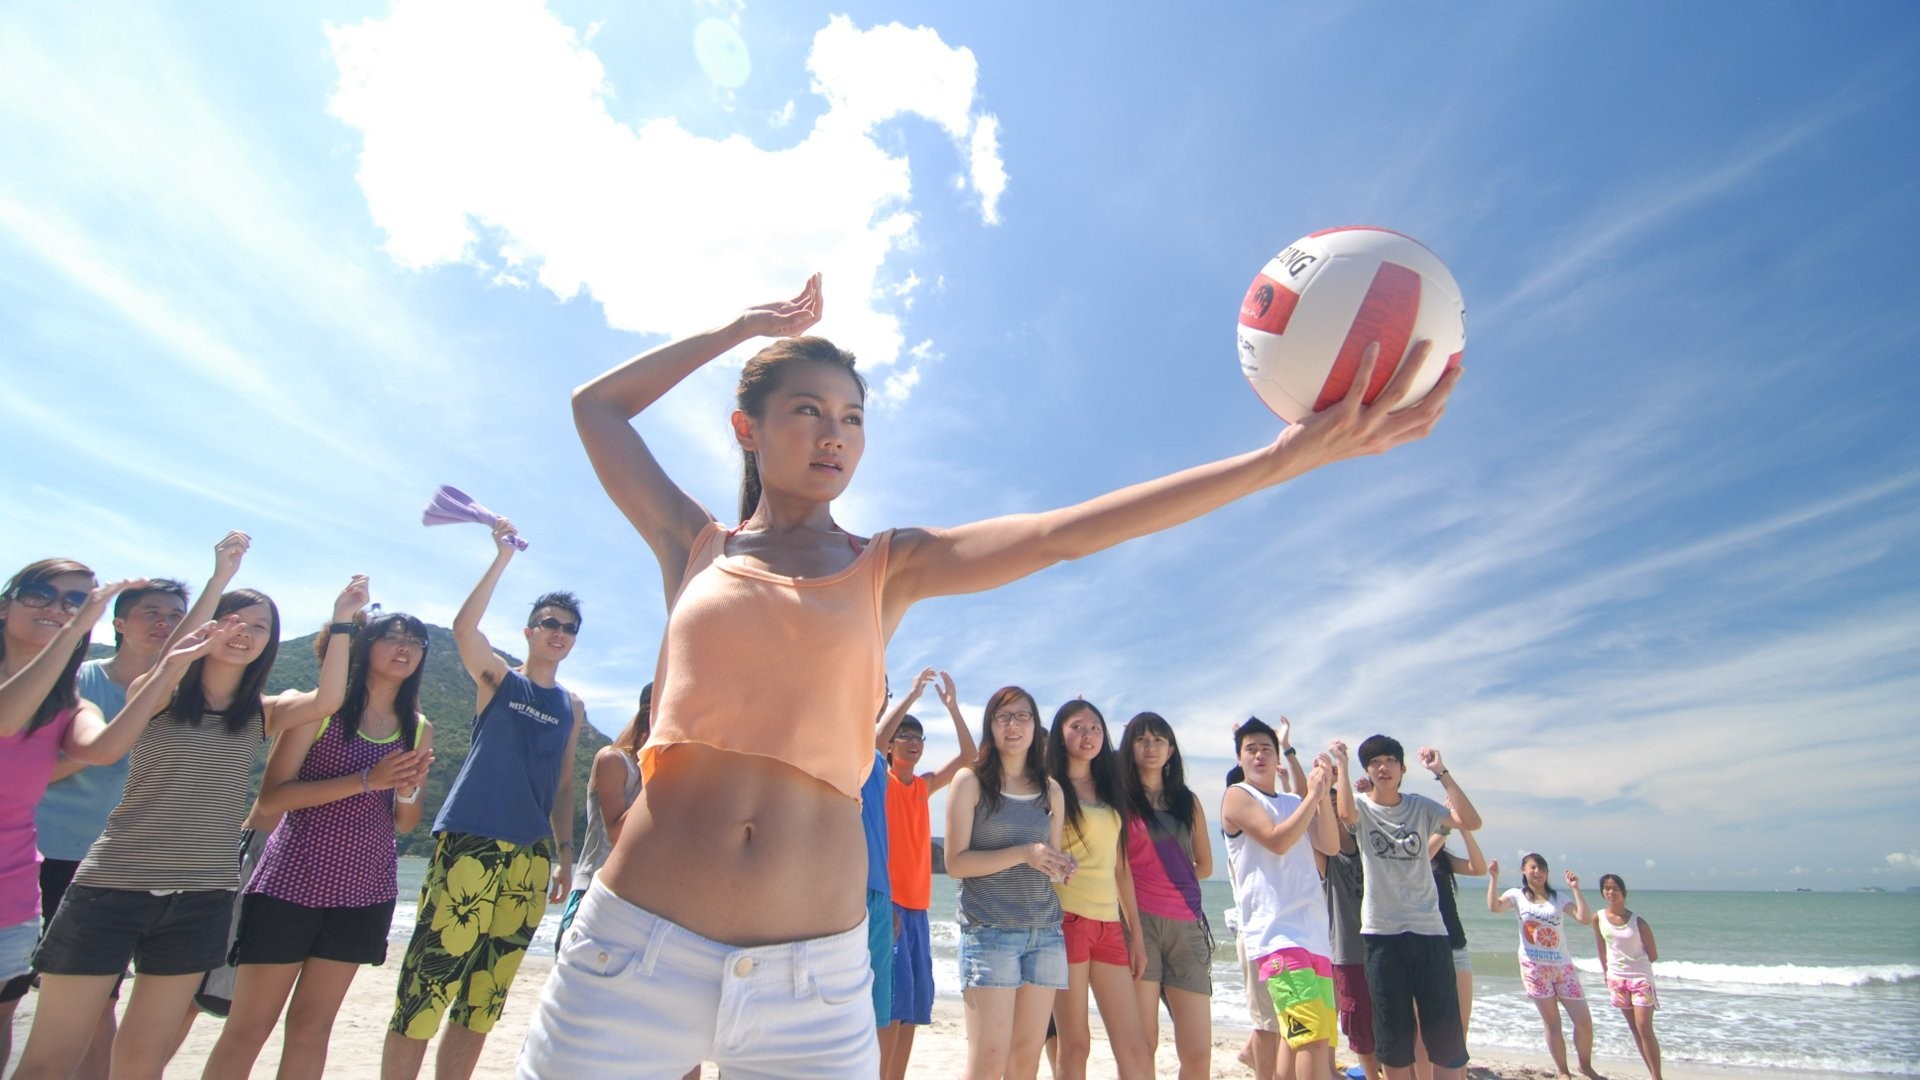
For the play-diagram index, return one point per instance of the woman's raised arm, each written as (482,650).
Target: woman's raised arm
(603,410)
(986,554)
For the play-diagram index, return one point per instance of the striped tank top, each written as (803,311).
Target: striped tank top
(178,825)
(1019,897)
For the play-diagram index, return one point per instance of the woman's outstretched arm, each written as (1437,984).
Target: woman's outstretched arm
(986,554)
(603,409)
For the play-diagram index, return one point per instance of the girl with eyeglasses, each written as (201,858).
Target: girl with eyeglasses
(1004,848)
(320,903)
(1168,855)
(1100,921)
(772,666)
(157,887)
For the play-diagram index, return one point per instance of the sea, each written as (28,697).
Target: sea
(1824,982)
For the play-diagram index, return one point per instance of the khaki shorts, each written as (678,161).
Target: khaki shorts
(1177,953)
(1259,1002)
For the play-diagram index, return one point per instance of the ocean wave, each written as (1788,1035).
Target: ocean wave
(1776,974)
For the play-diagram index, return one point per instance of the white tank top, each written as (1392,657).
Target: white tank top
(1626,953)
(1279,897)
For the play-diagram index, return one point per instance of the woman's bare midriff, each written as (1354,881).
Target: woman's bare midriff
(741,849)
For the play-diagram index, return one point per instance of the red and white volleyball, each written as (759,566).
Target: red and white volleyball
(1316,306)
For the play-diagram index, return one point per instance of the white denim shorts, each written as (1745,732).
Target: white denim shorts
(633,995)
(16,948)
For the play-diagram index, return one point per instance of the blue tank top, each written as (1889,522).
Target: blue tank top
(506,786)
(73,812)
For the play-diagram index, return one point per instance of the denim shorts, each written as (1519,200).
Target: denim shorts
(634,995)
(992,957)
(96,931)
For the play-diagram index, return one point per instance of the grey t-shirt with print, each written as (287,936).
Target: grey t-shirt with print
(1400,896)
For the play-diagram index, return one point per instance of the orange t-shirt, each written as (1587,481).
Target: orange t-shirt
(909,842)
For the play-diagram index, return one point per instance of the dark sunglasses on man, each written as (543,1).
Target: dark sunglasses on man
(571,629)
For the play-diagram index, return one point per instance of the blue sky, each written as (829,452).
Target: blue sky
(1651,586)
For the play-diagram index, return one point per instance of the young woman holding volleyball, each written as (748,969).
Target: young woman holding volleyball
(735,887)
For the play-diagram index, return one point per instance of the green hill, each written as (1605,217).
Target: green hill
(446,698)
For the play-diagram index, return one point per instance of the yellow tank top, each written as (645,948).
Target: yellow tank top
(1093,892)
(755,662)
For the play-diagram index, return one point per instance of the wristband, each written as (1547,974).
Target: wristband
(340,628)
(1442,772)
(408,799)
(364,774)
(1290,752)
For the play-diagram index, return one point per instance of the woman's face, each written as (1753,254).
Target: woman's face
(1083,735)
(812,434)
(256,629)
(1535,872)
(1613,893)
(1151,752)
(1014,725)
(397,653)
(43,608)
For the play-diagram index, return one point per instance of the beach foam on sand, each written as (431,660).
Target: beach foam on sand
(939,1050)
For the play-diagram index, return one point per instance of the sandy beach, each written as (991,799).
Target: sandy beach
(940,1050)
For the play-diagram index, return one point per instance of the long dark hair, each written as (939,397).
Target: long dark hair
(1526,889)
(634,735)
(65,693)
(1181,801)
(190,697)
(762,376)
(406,700)
(1103,767)
(986,763)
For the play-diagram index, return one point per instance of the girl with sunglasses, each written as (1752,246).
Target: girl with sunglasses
(1168,854)
(157,887)
(772,666)
(1100,921)
(47,611)
(320,902)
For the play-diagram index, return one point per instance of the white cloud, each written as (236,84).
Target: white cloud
(1904,860)
(486,139)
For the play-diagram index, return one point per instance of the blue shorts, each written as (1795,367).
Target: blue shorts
(567,913)
(913,968)
(992,957)
(880,954)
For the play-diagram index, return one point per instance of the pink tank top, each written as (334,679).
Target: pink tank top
(792,669)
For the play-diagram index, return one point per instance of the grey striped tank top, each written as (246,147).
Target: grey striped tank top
(1019,897)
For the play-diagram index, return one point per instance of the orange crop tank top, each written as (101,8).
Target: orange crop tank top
(759,663)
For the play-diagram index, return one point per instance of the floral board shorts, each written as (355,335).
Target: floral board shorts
(479,905)
(1548,981)
(1632,991)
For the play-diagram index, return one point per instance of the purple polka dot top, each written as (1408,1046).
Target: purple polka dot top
(337,854)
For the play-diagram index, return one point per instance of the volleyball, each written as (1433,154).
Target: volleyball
(1316,306)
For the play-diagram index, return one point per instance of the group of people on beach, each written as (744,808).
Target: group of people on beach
(127,834)
(724,923)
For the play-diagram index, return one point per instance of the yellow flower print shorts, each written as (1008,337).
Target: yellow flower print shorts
(479,906)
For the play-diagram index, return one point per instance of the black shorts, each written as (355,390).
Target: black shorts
(16,988)
(1405,969)
(55,876)
(96,931)
(274,931)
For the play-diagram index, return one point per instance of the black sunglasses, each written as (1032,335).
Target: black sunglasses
(39,594)
(571,629)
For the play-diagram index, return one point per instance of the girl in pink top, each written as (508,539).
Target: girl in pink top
(38,707)
(748,849)
(1169,852)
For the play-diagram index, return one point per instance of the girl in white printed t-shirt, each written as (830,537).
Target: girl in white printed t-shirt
(1546,968)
